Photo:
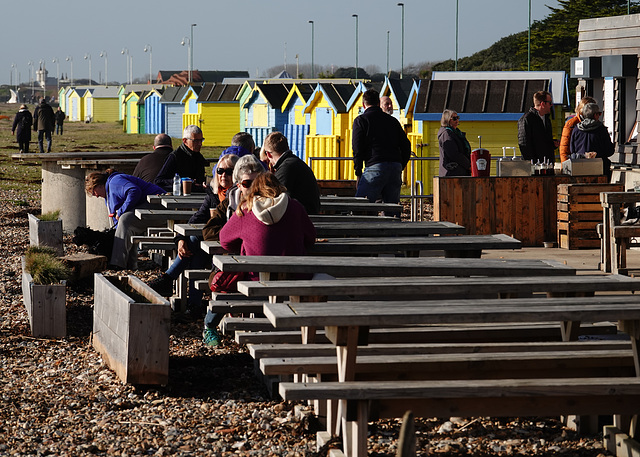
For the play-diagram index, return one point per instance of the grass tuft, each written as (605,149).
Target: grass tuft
(42,263)
(50,216)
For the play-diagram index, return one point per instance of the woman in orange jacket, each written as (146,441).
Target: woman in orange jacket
(565,153)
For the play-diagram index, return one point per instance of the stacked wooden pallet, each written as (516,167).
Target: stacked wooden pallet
(579,211)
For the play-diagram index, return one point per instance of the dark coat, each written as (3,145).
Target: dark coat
(60,117)
(455,159)
(202,216)
(149,166)
(299,180)
(377,138)
(22,125)
(44,118)
(592,136)
(188,164)
(535,138)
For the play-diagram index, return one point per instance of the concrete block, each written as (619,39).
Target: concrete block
(84,265)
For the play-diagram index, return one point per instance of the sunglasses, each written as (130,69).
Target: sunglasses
(455,118)
(224,171)
(246,183)
(196,140)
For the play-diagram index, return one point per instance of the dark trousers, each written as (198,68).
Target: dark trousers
(23,145)
(59,128)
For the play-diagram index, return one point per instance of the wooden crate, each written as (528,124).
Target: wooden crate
(579,211)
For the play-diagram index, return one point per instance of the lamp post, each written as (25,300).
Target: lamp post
(57,62)
(529,41)
(456,65)
(313,68)
(187,41)
(30,65)
(70,60)
(125,51)
(356,16)
(401,5)
(88,57)
(387,53)
(106,75)
(147,48)
(191,53)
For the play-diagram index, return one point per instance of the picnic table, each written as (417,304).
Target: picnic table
(168,215)
(356,207)
(63,175)
(386,228)
(347,325)
(615,236)
(341,266)
(467,246)
(351,218)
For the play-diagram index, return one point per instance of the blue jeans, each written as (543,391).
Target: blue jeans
(199,260)
(41,135)
(381,181)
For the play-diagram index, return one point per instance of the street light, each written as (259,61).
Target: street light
(356,16)
(106,75)
(313,69)
(125,51)
(387,53)
(187,41)
(456,66)
(57,62)
(401,5)
(70,60)
(30,65)
(529,41)
(147,48)
(88,57)
(191,53)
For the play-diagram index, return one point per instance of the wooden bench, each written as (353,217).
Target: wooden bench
(369,400)
(616,237)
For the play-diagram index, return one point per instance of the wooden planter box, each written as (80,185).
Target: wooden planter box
(46,233)
(131,329)
(46,307)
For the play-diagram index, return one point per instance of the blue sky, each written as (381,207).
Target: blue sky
(251,35)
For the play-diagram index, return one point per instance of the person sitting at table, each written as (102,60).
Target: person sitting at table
(190,256)
(246,170)
(268,222)
(149,166)
(186,161)
(591,135)
(123,194)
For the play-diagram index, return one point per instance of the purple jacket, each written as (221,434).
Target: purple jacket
(126,192)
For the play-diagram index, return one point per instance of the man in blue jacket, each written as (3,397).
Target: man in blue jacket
(381,145)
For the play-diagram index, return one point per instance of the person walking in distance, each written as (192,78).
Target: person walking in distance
(44,120)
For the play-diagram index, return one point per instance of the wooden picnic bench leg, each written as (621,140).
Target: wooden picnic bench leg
(358,430)
(607,238)
(632,328)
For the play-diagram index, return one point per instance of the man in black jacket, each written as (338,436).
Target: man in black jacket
(292,172)
(186,161)
(535,136)
(150,165)
(44,121)
(381,145)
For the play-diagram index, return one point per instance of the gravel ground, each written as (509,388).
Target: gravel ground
(58,397)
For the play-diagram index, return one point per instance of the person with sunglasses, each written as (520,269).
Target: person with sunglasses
(247,169)
(190,256)
(535,134)
(455,151)
(186,161)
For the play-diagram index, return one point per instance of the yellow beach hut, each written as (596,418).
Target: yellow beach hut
(102,104)
(219,111)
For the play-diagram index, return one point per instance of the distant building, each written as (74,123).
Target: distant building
(181,78)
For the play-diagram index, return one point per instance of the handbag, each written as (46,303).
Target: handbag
(225,281)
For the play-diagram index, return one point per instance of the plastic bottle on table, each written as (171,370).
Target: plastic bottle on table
(176,185)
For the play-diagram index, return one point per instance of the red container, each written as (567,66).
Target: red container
(480,162)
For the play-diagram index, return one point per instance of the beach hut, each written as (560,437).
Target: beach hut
(328,126)
(488,108)
(190,114)
(398,91)
(219,111)
(171,106)
(245,91)
(62,98)
(131,122)
(296,127)
(75,104)
(264,110)
(153,112)
(102,103)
